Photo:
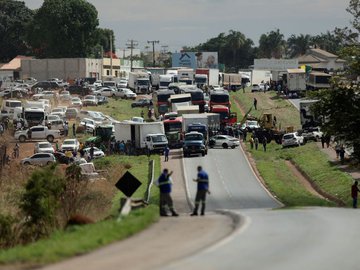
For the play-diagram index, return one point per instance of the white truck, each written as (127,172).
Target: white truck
(260,76)
(186,75)
(37,133)
(296,80)
(143,136)
(139,82)
(206,76)
(307,117)
(232,81)
(165,80)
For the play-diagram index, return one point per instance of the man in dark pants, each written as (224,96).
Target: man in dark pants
(202,188)
(354,193)
(164,183)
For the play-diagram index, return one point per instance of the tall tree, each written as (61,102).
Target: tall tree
(297,45)
(14,16)
(235,41)
(64,28)
(272,45)
(328,41)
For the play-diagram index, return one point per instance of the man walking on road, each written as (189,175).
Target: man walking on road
(354,193)
(166,153)
(164,183)
(202,188)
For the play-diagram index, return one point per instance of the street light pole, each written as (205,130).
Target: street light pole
(153,45)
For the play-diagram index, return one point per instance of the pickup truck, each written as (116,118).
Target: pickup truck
(37,133)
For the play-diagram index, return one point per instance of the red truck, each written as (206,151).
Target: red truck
(226,116)
(173,131)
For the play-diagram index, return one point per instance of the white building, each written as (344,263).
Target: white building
(321,60)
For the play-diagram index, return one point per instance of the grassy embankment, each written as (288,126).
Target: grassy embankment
(272,164)
(82,239)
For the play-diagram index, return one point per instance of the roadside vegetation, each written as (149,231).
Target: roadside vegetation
(37,203)
(308,158)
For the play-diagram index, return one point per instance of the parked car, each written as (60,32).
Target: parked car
(90,100)
(70,145)
(102,100)
(126,93)
(97,153)
(76,102)
(292,139)
(71,113)
(78,90)
(43,147)
(250,125)
(106,92)
(255,88)
(62,158)
(143,102)
(39,159)
(311,134)
(122,83)
(224,141)
(58,111)
(90,124)
(45,85)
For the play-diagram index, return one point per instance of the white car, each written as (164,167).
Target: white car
(39,159)
(70,145)
(43,147)
(224,141)
(90,100)
(65,95)
(58,111)
(122,83)
(250,125)
(292,139)
(97,153)
(255,88)
(106,92)
(90,124)
(126,93)
(76,102)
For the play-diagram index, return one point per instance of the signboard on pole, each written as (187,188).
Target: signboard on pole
(195,60)
(128,184)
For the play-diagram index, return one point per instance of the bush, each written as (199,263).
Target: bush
(7,235)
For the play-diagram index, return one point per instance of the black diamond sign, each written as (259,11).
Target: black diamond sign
(128,184)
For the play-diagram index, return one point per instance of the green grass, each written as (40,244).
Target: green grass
(80,239)
(272,167)
(119,109)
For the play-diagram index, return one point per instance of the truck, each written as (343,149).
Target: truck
(181,110)
(173,131)
(232,81)
(197,95)
(161,99)
(165,80)
(37,133)
(308,119)
(30,116)
(206,76)
(194,143)
(178,100)
(295,80)
(186,75)
(318,80)
(146,136)
(260,76)
(139,82)
(226,116)
(219,97)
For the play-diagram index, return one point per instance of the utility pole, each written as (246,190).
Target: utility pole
(111,63)
(163,52)
(153,46)
(131,44)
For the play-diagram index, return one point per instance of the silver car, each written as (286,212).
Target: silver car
(43,147)
(224,141)
(292,139)
(39,159)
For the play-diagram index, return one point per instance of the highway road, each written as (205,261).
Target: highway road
(269,237)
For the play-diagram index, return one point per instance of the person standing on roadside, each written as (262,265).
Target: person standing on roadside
(164,182)
(74,129)
(256,142)
(264,143)
(354,193)
(166,152)
(255,103)
(202,188)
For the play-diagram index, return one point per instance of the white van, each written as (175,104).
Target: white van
(9,105)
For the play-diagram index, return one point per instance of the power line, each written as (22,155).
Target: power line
(131,44)
(153,45)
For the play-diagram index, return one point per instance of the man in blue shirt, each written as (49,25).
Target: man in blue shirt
(164,183)
(202,188)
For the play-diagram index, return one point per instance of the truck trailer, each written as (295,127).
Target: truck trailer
(139,82)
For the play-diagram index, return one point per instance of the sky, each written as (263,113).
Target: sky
(177,23)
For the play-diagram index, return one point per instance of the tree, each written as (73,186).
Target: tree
(328,41)
(14,17)
(103,38)
(297,45)
(64,28)
(272,45)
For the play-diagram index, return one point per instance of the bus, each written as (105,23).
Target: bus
(161,99)
(219,97)
(197,96)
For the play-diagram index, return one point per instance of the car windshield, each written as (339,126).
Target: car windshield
(159,138)
(69,142)
(44,145)
(288,136)
(193,137)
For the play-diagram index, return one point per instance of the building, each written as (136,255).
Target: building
(321,60)
(11,71)
(63,68)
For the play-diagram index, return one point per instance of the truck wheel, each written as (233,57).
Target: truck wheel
(233,147)
(50,138)
(224,145)
(203,154)
(22,138)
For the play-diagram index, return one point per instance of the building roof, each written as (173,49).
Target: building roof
(295,70)
(307,58)
(15,64)
(321,53)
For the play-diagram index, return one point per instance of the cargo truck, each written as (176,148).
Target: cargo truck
(232,81)
(139,82)
(206,76)
(318,80)
(295,80)
(186,75)
(142,136)
(307,117)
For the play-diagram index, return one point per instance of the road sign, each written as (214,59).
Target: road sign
(128,184)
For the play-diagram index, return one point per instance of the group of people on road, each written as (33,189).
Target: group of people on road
(164,182)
